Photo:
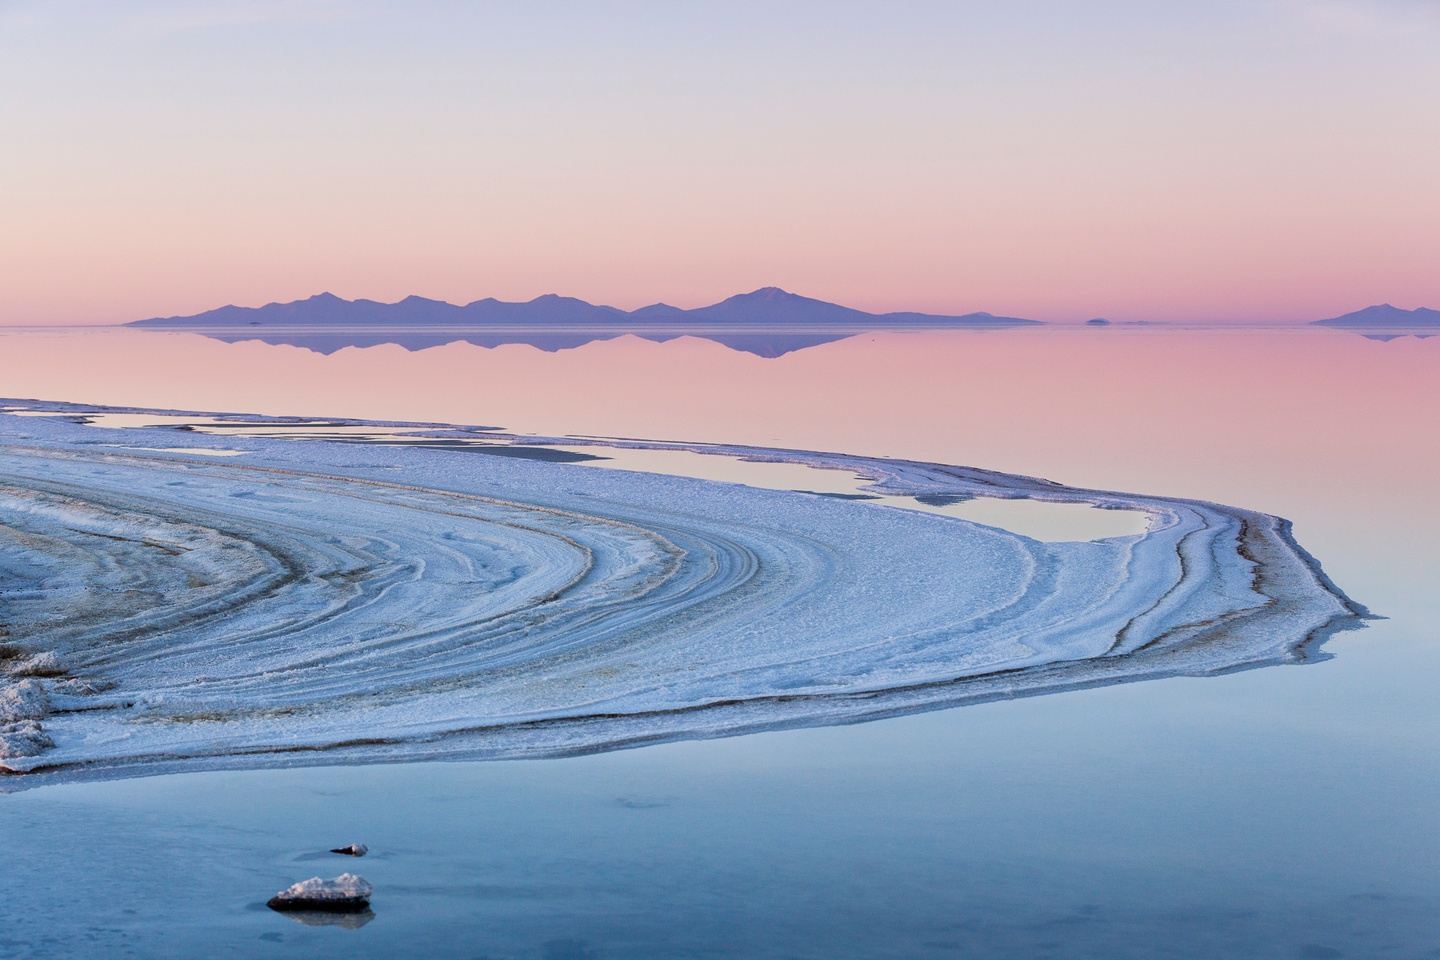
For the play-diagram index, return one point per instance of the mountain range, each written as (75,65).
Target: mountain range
(766,307)
(1383,316)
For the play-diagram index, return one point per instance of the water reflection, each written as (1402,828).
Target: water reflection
(1277,813)
(761,343)
(768,322)
(1038,519)
(323,918)
(1387,337)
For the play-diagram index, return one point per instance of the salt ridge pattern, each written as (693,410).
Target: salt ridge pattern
(313,602)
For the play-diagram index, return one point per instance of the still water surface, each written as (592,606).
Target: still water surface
(1288,812)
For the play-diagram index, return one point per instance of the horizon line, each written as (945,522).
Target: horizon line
(1077,318)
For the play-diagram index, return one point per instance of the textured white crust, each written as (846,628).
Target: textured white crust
(320,602)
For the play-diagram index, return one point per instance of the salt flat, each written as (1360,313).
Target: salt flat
(323,602)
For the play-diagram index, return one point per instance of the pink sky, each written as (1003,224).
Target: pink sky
(1248,161)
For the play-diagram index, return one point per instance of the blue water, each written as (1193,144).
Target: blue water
(1288,812)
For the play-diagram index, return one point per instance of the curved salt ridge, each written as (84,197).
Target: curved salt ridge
(316,602)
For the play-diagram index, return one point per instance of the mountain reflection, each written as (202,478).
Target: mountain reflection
(761,343)
(768,322)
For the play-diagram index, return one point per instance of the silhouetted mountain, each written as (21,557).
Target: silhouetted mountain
(769,307)
(658,312)
(768,322)
(1383,316)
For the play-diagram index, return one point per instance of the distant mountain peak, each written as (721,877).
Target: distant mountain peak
(658,312)
(769,295)
(1384,315)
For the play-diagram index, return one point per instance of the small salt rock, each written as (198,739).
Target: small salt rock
(347,893)
(26,700)
(23,738)
(352,850)
(45,664)
(83,686)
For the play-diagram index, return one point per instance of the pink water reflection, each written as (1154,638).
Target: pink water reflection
(1292,422)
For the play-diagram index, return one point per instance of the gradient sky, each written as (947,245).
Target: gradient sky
(1260,160)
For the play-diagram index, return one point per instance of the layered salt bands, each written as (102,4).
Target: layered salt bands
(314,603)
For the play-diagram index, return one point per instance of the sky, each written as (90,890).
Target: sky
(1266,160)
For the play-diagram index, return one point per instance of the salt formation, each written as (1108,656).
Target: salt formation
(347,893)
(22,706)
(324,602)
(43,664)
(26,700)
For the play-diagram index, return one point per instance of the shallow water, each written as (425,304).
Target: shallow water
(1283,812)
(1032,518)
(1038,519)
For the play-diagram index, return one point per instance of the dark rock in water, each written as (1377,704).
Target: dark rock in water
(347,893)
(352,850)
(1097,322)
